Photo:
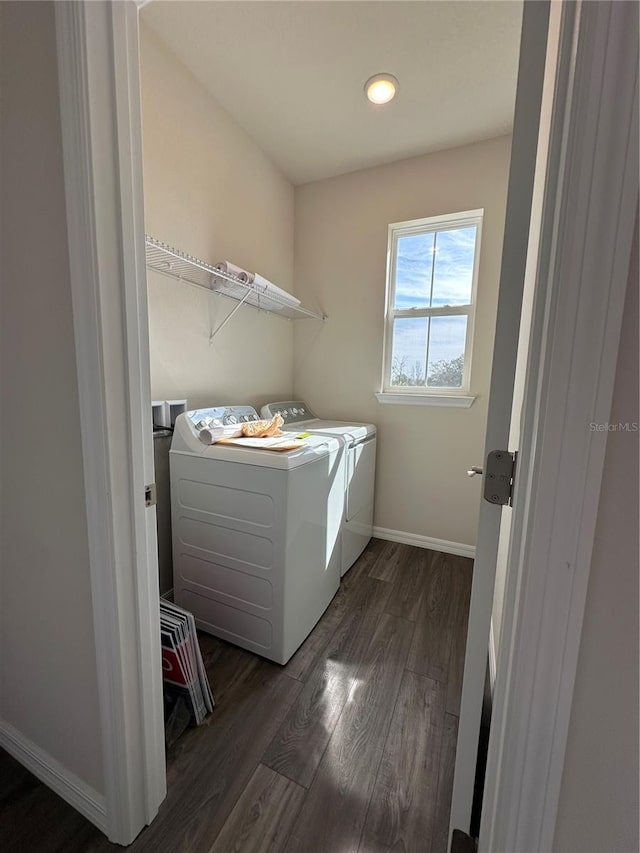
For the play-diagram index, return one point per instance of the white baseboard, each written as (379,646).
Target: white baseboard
(458,548)
(66,784)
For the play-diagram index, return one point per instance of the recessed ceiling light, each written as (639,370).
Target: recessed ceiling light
(381,88)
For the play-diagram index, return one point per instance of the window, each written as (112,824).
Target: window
(432,272)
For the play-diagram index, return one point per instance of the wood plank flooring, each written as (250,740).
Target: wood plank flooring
(349,748)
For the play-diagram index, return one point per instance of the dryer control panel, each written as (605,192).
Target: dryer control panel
(291,411)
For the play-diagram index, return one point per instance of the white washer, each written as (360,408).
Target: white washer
(256,533)
(359,448)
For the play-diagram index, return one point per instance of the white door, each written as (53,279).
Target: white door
(522,229)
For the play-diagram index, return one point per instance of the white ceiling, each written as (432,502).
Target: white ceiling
(292,73)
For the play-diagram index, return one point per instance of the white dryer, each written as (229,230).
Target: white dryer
(256,533)
(359,450)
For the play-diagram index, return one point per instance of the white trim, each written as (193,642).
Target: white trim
(460,401)
(458,548)
(493,666)
(589,218)
(66,784)
(442,222)
(124,20)
(431,224)
(98,209)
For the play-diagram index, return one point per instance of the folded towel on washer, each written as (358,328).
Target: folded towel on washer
(210,434)
(264,429)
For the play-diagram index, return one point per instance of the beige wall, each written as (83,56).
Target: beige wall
(598,808)
(48,670)
(340,261)
(210,191)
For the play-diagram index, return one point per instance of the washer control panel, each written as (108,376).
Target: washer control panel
(291,411)
(219,416)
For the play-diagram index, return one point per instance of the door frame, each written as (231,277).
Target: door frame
(98,73)
(533,92)
(588,220)
(99,89)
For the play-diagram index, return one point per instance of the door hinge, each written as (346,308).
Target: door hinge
(150,495)
(499,474)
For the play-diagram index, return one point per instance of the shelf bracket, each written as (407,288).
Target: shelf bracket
(228,317)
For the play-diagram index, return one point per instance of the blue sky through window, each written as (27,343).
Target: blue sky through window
(453,274)
(413,271)
(433,270)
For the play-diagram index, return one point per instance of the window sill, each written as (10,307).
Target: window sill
(455,400)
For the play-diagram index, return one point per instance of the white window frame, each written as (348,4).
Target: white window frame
(420,394)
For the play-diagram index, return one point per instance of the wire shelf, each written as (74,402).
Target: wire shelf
(172,262)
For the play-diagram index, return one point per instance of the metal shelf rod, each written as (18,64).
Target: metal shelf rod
(228,317)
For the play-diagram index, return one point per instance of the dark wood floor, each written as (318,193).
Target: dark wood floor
(349,748)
